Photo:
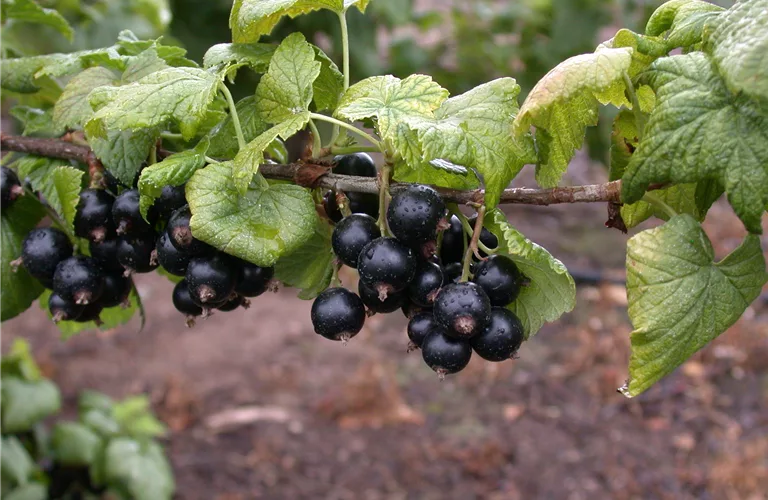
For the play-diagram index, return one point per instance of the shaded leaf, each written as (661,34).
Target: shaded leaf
(139,469)
(310,267)
(74,444)
(31,12)
(25,403)
(223,137)
(72,109)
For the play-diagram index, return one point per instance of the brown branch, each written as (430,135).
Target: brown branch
(608,192)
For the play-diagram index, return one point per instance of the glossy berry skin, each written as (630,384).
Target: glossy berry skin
(452,247)
(445,355)
(181,234)
(63,310)
(136,253)
(211,280)
(410,309)
(426,284)
(370,298)
(252,280)
(79,279)
(386,265)
(105,254)
(414,213)
(171,258)
(183,302)
(421,325)
(41,252)
(171,199)
(463,309)
(359,203)
(500,278)
(234,303)
(338,314)
(93,219)
(360,164)
(501,338)
(452,272)
(487,238)
(351,235)
(10,187)
(91,312)
(117,288)
(126,214)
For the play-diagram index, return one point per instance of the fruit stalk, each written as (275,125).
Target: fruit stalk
(472,247)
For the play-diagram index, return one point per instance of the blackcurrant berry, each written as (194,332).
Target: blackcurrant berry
(93,219)
(426,284)
(487,238)
(171,258)
(113,185)
(181,234)
(234,303)
(252,280)
(359,203)
(91,312)
(500,278)
(410,309)
(136,253)
(414,214)
(182,301)
(452,246)
(117,288)
(351,235)
(63,310)
(419,326)
(330,206)
(463,309)
(338,314)
(445,355)
(360,164)
(10,187)
(105,254)
(370,298)
(126,214)
(41,252)
(501,338)
(453,272)
(211,280)
(171,199)
(386,265)
(79,279)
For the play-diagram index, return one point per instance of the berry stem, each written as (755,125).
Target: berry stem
(233,113)
(335,150)
(365,135)
(317,145)
(472,247)
(343,203)
(640,117)
(384,177)
(657,202)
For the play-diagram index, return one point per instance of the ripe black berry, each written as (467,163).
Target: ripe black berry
(182,301)
(452,247)
(452,272)
(136,253)
(419,326)
(487,238)
(117,288)
(445,355)
(79,279)
(93,219)
(500,278)
(105,254)
(463,309)
(211,280)
(410,309)
(359,203)
(10,187)
(426,284)
(252,280)
(414,214)
(338,314)
(171,199)
(41,252)
(234,303)
(360,164)
(126,214)
(370,298)
(63,310)
(181,234)
(386,265)
(501,338)
(171,258)
(91,312)
(351,235)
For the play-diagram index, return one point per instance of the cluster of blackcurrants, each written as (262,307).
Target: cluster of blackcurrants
(448,318)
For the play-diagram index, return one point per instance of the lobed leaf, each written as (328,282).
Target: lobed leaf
(683,21)
(124,151)
(31,12)
(329,84)
(254,55)
(310,267)
(72,109)
(223,138)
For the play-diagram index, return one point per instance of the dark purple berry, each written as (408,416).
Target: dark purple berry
(91,312)
(182,301)
(414,214)
(359,203)
(359,164)
(10,188)
(126,214)
(386,265)
(338,314)
(234,303)
(117,288)
(419,326)
(171,199)
(445,355)
(351,235)
(500,278)
(136,253)
(105,254)
(79,279)
(42,250)
(453,272)
(63,310)
(252,280)
(410,309)
(370,298)
(426,284)
(181,234)
(93,219)
(171,258)
(452,247)
(463,309)
(211,280)
(501,338)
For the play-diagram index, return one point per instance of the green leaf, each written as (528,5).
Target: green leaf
(93,400)
(25,403)
(329,85)
(551,291)
(129,44)
(74,444)
(172,171)
(645,49)
(134,416)
(679,299)
(16,465)
(139,469)
(254,55)
(179,94)
(143,64)
(31,12)
(223,137)
(17,288)
(30,491)
(36,121)
(566,101)
(310,267)
(18,75)
(72,109)
(690,137)
(260,226)
(427,173)
(740,46)
(59,185)
(123,152)
(111,317)
(683,21)
(20,363)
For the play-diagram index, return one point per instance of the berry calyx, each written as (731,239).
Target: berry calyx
(42,250)
(171,199)
(234,303)
(117,288)
(426,284)
(419,326)
(445,355)
(351,235)
(414,214)
(78,279)
(136,253)
(10,187)
(211,280)
(181,233)
(182,301)
(501,338)
(370,298)
(62,309)
(463,309)
(500,278)
(126,214)
(171,258)
(253,280)
(452,246)
(93,219)
(338,314)
(105,254)
(386,265)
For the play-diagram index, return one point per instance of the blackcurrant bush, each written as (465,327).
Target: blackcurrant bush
(105,254)
(126,214)
(386,265)
(211,280)
(426,284)
(445,355)
(79,279)
(234,303)
(136,253)
(41,252)
(252,280)
(501,338)
(117,288)
(181,234)
(360,164)
(91,312)
(172,259)
(414,214)
(463,309)
(487,238)
(63,310)
(453,272)
(351,235)
(419,326)
(171,199)
(93,219)
(370,298)
(182,301)
(338,314)
(452,246)
(10,187)
(500,278)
